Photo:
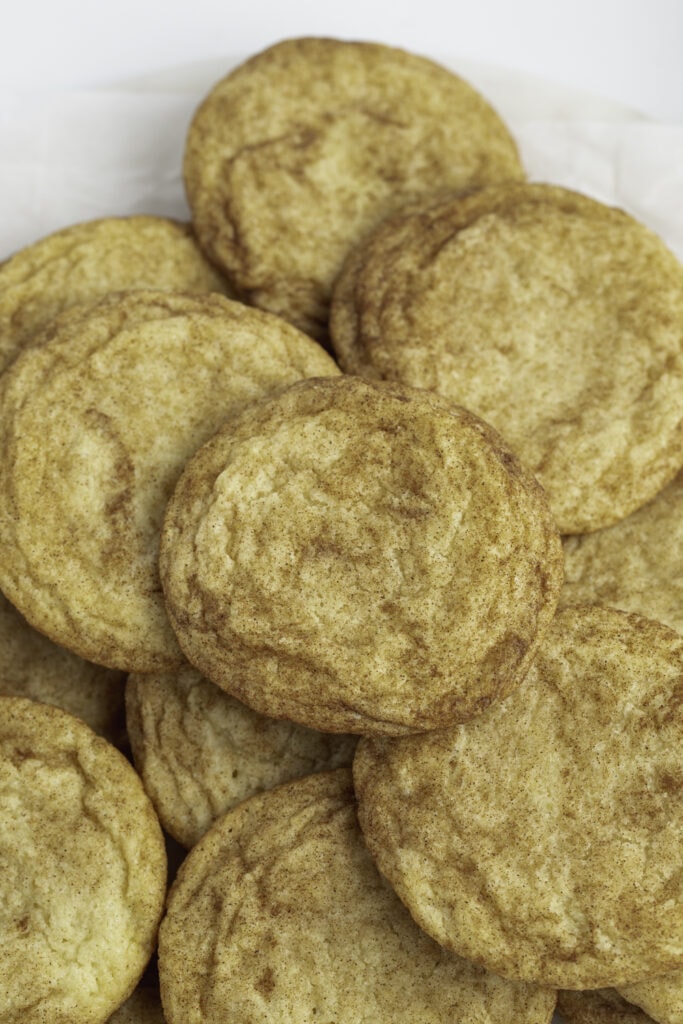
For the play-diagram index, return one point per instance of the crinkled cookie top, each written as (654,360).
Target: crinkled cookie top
(82,870)
(360,558)
(83,262)
(299,151)
(556,318)
(96,423)
(542,839)
(279,915)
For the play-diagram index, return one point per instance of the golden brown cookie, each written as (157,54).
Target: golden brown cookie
(604,1006)
(96,423)
(83,262)
(661,997)
(556,318)
(543,838)
(299,151)
(32,666)
(279,914)
(199,751)
(636,565)
(82,870)
(359,558)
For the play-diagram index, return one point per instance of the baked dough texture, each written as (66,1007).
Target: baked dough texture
(279,915)
(83,262)
(661,997)
(32,666)
(635,565)
(542,839)
(361,558)
(299,151)
(604,1006)
(96,423)
(82,870)
(199,751)
(554,317)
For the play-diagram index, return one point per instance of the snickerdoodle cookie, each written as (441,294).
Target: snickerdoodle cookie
(636,565)
(299,151)
(199,751)
(82,870)
(543,838)
(360,557)
(83,262)
(96,423)
(279,914)
(556,318)
(32,666)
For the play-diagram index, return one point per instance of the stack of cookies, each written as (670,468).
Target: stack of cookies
(341,561)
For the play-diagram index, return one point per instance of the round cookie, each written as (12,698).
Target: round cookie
(556,318)
(199,751)
(604,1006)
(359,558)
(299,151)
(635,565)
(542,839)
(82,870)
(83,262)
(278,914)
(32,666)
(96,423)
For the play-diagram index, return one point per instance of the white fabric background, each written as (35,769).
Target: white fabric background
(627,50)
(74,154)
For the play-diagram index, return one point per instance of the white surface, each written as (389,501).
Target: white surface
(78,154)
(626,50)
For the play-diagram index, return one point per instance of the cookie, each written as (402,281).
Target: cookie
(661,997)
(542,839)
(359,558)
(554,317)
(82,870)
(279,914)
(299,151)
(96,423)
(604,1006)
(32,666)
(83,262)
(199,751)
(635,565)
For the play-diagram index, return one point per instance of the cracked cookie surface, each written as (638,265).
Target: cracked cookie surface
(83,262)
(279,914)
(636,564)
(359,558)
(96,424)
(556,318)
(542,839)
(297,153)
(82,870)
(199,751)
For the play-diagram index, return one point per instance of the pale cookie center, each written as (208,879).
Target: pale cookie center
(353,548)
